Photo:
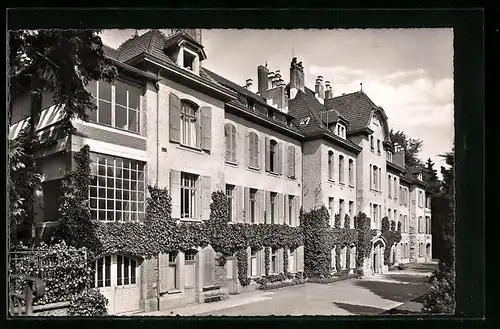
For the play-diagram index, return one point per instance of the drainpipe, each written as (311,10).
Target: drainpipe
(157,85)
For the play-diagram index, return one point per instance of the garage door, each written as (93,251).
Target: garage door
(117,277)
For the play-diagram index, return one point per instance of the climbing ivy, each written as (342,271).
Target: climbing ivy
(242,258)
(391,237)
(362,224)
(285,261)
(347,221)
(267,253)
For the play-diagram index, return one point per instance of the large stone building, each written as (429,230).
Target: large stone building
(274,148)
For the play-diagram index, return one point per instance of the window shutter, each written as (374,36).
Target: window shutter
(267,202)
(233,143)
(206,128)
(248,149)
(238,204)
(175,193)
(279,199)
(256,151)
(206,192)
(268,160)
(300,259)
(285,211)
(163,272)
(279,158)
(175,118)
(246,195)
(227,137)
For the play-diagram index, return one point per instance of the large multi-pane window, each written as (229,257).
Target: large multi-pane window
(273,156)
(117,105)
(125,268)
(102,272)
(229,194)
(189,124)
(188,195)
(117,188)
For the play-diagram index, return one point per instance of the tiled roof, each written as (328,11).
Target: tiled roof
(111,52)
(355,107)
(414,169)
(306,109)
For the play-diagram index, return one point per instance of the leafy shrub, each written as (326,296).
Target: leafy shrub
(63,269)
(281,284)
(441,296)
(90,302)
(242,258)
(279,280)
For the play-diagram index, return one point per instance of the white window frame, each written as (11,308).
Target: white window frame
(192,190)
(190,124)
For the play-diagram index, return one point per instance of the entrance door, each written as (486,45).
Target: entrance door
(190,276)
(428,252)
(117,278)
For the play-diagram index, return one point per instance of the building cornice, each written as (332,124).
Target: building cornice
(337,140)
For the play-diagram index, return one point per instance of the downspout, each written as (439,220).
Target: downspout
(157,86)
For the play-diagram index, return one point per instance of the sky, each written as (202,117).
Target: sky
(408,72)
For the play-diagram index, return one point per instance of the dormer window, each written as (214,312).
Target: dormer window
(270,113)
(340,131)
(188,60)
(375,120)
(420,176)
(389,156)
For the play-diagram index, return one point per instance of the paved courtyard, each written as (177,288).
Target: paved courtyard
(368,296)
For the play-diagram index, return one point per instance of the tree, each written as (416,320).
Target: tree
(60,62)
(431,177)
(411,146)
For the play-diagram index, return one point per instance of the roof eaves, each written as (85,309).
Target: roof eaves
(331,137)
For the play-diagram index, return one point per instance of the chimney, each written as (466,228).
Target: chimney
(399,155)
(320,89)
(248,84)
(328,90)
(262,80)
(296,78)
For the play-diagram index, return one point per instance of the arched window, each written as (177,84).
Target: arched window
(230,134)
(378,146)
(351,172)
(273,156)
(375,178)
(330,165)
(189,124)
(372,148)
(389,185)
(341,169)
(395,188)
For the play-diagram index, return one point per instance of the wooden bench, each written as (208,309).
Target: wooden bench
(213,293)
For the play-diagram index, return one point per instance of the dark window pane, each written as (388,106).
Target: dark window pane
(133,206)
(93,180)
(126,184)
(92,114)
(110,204)
(93,191)
(133,216)
(118,205)
(140,196)
(110,182)
(119,172)
(100,272)
(101,159)
(126,163)
(126,195)
(111,216)
(119,216)
(121,117)
(126,173)
(93,203)
(102,181)
(119,263)
(118,193)
(104,113)
(133,186)
(105,91)
(140,186)
(93,214)
(133,175)
(102,170)
(92,88)
(107,265)
(118,183)
(126,269)
(111,193)
(140,217)
(133,118)
(126,216)
(132,271)
(121,93)
(102,204)
(134,97)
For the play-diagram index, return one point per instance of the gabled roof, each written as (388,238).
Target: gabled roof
(306,109)
(357,108)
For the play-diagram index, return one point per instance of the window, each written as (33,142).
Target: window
(102,272)
(420,199)
(421,249)
(371,176)
(292,268)
(190,255)
(379,179)
(341,169)
(253,150)
(330,165)
(273,154)
(253,263)
(188,195)
(375,177)
(389,156)
(290,209)
(375,215)
(273,206)
(400,195)
(119,109)
(351,172)
(428,202)
(341,212)
(389,186)
(340,130)
(230,134)
(173,280)
(331,210)
(395,216)
(209,270)
(378,146)
(351,210)
(407,224)
(274,262)
(372,148)
(420,176)
(389,214)
(188,60)
(395,188)
(253,198)
(117,188)
(401,222)
(428,225)
(375,120)
(407,251)
(229,195)
(189,124)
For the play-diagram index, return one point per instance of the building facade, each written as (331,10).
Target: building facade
(168,121)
